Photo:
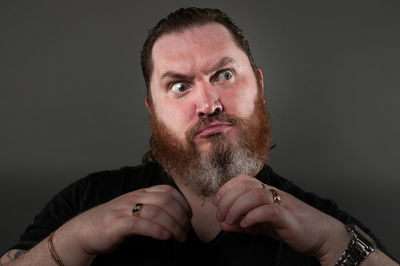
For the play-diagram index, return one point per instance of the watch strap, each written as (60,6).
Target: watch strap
(359,247)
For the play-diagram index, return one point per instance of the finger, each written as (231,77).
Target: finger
(277,216)
(176,194)
(230,197)
(143,227)
(168,203)
(250,200)
(232,227)
(157,215)
(255,229)
(229,185)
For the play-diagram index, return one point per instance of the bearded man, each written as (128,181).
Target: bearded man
(204,195)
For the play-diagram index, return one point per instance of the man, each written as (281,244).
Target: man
(203,195)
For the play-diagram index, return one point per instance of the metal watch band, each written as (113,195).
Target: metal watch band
(359,247)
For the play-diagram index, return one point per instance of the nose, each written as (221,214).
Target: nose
(208,102)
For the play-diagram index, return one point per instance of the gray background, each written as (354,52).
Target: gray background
(71,98)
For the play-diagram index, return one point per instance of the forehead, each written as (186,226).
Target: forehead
(195,47)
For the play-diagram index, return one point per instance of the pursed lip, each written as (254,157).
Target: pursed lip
(214,128)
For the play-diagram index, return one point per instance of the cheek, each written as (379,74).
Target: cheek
(175,116)
(240,99)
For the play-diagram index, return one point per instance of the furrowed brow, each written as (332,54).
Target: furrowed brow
(221,63)
(174,75)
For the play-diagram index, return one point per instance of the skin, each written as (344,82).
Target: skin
(189,58)
(166,213)
(202,75)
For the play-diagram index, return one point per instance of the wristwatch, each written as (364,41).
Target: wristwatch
(359,247)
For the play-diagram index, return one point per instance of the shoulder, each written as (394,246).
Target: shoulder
(99,187)
(105,185)
(85,193)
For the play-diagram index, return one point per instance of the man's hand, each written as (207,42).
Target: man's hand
(245,205)
(165,213)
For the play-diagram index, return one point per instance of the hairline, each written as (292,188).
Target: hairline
(183,29)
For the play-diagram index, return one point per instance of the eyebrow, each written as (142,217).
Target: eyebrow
(221,63)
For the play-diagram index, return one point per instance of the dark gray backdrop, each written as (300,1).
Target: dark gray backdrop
(71,98)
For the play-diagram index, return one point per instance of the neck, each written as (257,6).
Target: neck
(204,220)
(195,199)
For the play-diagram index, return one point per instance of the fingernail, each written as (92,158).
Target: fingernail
(243,223)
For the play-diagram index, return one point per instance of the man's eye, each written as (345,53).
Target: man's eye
(224,75)
(179,87)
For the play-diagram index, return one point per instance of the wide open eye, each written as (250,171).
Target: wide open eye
(179,87)
(224,75)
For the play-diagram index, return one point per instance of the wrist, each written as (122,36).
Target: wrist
(334,245)
(358,248)
(67,250)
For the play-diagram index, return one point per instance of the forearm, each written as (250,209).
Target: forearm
(338,243)
(69,253)
(378,258)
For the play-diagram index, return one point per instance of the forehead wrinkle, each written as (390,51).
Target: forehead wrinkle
(170,52)
(183,70)
(220,64)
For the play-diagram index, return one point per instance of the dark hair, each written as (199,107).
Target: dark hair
(182,19)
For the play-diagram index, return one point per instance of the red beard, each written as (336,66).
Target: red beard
(206,173)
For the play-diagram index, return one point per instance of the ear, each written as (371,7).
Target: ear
(261,79)
(148,104)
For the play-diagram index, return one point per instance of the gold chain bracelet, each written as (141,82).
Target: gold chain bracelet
(53,252)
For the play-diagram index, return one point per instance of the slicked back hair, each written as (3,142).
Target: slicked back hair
(185,18)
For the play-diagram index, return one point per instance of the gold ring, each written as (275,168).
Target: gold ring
(276,198)
(136,209)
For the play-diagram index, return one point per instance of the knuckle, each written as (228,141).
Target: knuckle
(244,176)
(244,184)
(165,198)
(259,194)
(149,211)
(165,188)
(159,233)
(168,188)
(274,212)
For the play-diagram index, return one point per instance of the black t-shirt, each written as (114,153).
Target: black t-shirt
(225,249)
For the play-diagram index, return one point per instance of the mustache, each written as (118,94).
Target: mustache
(205,121)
